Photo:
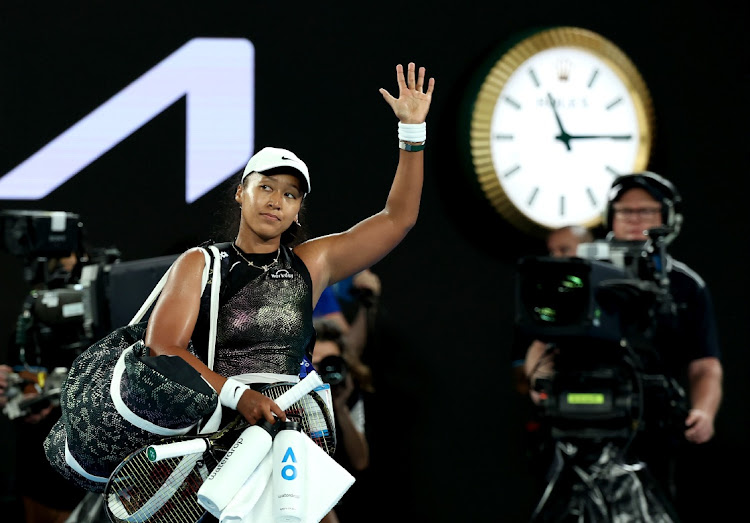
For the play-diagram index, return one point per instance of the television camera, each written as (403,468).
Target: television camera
(602,315)
(66,309)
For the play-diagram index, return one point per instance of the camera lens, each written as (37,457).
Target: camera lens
(332,370)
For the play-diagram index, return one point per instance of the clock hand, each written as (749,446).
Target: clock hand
(589,136)
(563,136)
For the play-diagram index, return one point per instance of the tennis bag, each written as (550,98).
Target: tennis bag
(116,398)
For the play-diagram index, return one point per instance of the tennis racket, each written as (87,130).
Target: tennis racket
(159,483)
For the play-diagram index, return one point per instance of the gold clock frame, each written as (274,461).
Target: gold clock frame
(494,82)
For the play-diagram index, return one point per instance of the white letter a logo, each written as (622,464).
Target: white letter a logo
(216,74)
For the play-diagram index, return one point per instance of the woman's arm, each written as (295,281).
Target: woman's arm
(334,257)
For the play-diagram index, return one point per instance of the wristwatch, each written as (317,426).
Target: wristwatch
(411,147)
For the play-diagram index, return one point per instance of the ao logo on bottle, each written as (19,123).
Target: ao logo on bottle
(216,75)
(289,471)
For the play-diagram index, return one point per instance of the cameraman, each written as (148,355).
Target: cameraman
(637,203)
(688,347)
(683,345)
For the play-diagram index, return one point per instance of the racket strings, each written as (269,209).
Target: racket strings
(312,412)
(164,491)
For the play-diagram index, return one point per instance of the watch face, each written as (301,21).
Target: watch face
(557,118)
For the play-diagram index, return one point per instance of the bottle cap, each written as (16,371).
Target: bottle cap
(272,429)
(291,425)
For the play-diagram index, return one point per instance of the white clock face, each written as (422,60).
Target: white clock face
(564,125)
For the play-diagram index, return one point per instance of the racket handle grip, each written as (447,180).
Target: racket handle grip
(176,449)
(298,391)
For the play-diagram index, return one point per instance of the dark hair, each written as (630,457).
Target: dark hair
(327,329)
(229,218)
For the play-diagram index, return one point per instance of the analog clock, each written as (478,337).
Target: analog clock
(551,122)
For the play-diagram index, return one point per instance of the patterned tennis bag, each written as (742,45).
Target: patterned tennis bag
(116,398)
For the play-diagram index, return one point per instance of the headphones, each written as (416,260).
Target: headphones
(658,187)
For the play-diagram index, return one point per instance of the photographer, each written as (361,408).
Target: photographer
(672,335)
(350,380)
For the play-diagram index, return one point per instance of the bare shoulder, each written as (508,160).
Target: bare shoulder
(313,254)
(311,251)
(190,262)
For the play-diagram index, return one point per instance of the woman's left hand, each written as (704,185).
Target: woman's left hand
(412,104)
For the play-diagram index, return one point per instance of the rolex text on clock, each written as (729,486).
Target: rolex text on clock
(558,116)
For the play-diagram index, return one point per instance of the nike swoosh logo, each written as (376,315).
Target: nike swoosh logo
(285,158)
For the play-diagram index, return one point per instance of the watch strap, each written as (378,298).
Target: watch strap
(410,147)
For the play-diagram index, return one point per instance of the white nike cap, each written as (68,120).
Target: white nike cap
(273,157)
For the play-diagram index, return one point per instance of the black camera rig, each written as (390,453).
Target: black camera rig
(601,315)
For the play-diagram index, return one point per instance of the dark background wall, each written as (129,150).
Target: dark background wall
(444,420)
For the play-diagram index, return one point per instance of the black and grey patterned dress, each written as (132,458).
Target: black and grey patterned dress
(265,318)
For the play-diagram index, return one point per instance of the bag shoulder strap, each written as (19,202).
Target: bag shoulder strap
(163,281)
(214,311)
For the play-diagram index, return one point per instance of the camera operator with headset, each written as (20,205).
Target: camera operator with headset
(678,342)
(689,348)
(643,201)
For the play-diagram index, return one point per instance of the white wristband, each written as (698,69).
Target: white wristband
(231,393)
(412,132)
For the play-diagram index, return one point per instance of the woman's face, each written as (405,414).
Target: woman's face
(269,203)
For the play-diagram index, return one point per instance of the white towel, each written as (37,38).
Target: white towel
(249,493)
(327,483)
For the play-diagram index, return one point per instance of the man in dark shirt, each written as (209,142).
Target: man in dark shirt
(683,346)
(643,201)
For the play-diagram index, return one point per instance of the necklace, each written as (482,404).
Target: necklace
(264,268)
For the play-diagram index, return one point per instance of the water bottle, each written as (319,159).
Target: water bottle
(289,474)
(237,465)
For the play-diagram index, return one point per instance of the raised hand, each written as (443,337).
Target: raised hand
(412,103)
